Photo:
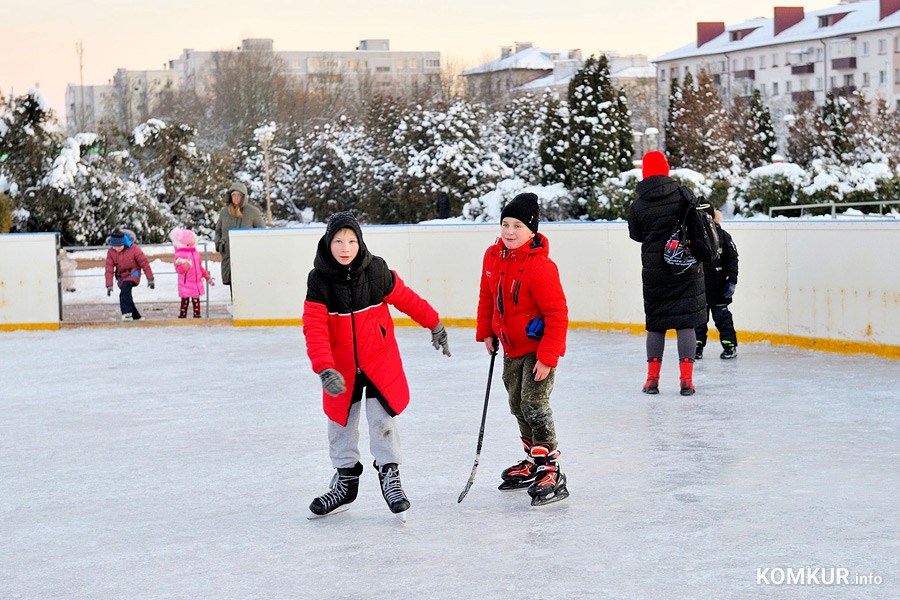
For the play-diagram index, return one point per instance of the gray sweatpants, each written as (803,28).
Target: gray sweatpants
(384,438)
(529,400)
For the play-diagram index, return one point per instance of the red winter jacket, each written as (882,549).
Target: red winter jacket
(348,327)
(126,265)
(517,286)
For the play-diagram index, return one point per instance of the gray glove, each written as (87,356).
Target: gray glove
(151,284)
(439,339)
(332,382)
(109,290)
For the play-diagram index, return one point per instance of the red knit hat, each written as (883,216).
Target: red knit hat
(655,163)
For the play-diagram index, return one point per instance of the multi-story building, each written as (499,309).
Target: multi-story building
(795,55)
(129,99)
(371,68)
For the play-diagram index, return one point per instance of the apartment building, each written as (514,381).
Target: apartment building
(854,46)
(130,97)
(372,67)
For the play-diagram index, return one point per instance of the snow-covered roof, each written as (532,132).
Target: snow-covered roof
(530,58)
(861,17)
(549,80)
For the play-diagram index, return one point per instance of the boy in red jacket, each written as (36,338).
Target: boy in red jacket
(124,261)
(351,345)
(521,302)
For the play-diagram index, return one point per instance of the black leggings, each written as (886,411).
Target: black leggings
(687,341)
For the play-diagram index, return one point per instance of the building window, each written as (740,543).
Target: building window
(818,54)
(432,63)
(865,48)
(382,69)
(674,72)
(804,85)
(882,46)
(897,44)
(848,80)
(832,83)
(866,78)
(734,65)
(762,61)
(882,77)
(414,64)
(819,83)
(748,63)
(774,88)
(762,89)
(662,74)
(787,58)
(775,59)
(897,76)
(787,86)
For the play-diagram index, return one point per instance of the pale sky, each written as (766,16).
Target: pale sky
(39,38)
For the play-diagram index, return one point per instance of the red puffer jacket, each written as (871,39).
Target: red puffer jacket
(126,265)
(516,287)
(348,326)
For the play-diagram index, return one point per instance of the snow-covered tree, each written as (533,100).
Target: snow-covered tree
(808,135)
(555,147)
(836,114)
(598,128)
(672,127)
(520,129)
(754,134)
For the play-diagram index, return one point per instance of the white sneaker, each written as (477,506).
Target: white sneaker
(126,317)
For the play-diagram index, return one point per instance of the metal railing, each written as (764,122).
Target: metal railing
(75,249)
(835,205)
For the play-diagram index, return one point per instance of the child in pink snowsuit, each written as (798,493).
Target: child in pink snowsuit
(190,271)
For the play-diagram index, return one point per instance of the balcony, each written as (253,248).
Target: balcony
(847,90)
(804,69)
(803,96)
(745,74)
(844,63)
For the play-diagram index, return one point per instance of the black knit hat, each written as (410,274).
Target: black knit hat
(342,220)
(525,208)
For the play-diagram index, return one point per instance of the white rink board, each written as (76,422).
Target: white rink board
(29,284)
(810,279)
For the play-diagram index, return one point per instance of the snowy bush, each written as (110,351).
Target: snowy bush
(554,200)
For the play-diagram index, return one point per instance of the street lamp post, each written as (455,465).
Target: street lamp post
(265,134)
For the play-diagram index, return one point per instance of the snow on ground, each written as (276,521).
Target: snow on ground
(164,463)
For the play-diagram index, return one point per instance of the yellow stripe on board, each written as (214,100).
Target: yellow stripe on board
(30,326)
(267,322)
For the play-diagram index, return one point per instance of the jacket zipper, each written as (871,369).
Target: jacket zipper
(353,325)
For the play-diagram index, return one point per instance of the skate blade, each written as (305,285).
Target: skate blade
(539,501)
(401,516)
(312,516)
(508,486)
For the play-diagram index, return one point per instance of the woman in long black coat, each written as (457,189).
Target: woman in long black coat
(670,301)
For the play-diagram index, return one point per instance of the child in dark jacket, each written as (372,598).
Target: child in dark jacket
(521,303)
(721,278)
(124,261)
(351,345)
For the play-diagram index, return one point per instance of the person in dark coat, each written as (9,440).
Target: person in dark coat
(351,345)
(670,301)
(442,206)
(236,214)
(721,278)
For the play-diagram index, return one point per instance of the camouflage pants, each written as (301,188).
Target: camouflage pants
(529,400)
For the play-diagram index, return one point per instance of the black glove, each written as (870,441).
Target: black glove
(109,290)
(729,290)
(332,382)
(439,339)
(151,284)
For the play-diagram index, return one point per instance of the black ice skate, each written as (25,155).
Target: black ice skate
(730,350)
(698,354)
(389,476)
(550,482)
(520,475)
(344,487)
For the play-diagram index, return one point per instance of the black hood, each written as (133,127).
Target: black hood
(655,187)
(325,261)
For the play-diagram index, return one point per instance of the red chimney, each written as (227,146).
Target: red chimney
(706,32)
(887,8)
(786,17)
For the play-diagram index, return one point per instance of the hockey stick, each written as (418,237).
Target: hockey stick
(487,394)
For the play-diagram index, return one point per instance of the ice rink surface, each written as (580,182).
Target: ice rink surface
(178,463)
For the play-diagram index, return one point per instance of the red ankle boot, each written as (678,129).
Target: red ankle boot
(653,367)
(687,373)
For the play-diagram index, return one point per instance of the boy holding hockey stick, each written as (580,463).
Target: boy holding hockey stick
(351,345)
(521,302)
